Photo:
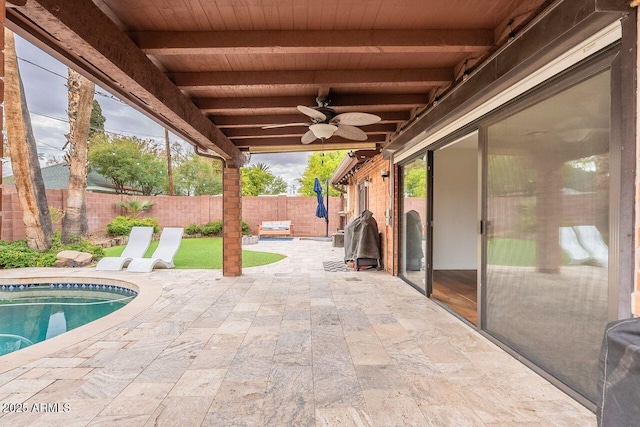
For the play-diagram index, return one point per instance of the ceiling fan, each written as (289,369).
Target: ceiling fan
(325,123)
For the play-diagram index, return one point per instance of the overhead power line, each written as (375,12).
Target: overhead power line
(97,92)
(116,132)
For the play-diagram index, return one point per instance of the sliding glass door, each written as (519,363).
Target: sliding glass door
(547,240)
(454,231)
(413,223)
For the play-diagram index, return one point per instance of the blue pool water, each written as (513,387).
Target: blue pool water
(33,313)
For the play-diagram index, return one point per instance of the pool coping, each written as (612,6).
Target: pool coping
(148,292)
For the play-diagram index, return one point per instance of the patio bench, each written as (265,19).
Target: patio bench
(275,228)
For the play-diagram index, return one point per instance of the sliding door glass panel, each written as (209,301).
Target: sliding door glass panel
(413,233)
(548,231)
(455,226)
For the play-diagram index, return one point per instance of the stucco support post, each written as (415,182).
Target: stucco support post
(232,222)
(548,214)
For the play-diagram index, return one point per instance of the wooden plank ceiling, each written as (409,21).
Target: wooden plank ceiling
(246,64)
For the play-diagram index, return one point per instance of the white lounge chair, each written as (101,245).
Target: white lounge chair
(569,242)
(591,239)
(139,240)
(163,255)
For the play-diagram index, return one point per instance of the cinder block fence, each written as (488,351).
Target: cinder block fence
(180,211)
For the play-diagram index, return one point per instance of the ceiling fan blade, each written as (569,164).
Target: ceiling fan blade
(308,137)
(356,119)
(284,125)
(314,114)
(351,132)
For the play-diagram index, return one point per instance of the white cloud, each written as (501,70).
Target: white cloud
(289,166)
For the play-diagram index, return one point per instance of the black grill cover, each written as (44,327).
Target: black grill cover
(361,238)
(619,384)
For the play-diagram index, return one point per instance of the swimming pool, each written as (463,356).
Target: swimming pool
(31,313)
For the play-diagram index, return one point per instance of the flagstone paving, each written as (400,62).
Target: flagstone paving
(286,344)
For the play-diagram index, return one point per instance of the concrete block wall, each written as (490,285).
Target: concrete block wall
(301,211)
(179,211)
(12,224)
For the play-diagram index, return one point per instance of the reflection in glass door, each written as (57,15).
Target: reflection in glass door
(547,255)
(413,222)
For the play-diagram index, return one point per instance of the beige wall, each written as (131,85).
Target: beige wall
(455,209)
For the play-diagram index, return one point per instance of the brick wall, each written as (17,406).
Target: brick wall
(379,202)
(178,211)
(300,210)
(232,227)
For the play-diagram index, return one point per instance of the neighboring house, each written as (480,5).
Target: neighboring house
(56,177)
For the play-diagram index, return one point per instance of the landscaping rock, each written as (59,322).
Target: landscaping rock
(249,240)
(73,259)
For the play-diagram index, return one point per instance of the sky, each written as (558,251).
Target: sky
(44,80)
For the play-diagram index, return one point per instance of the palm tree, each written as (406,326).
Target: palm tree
(24,154)
(81,92)
(262,167)
(135,206)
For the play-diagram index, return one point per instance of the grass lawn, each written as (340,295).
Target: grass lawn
(205,253)
(511,252)
(515,252)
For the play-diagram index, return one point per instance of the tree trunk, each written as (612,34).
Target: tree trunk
(81,90)
(24,154)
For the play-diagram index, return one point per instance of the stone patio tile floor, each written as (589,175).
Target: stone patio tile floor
(286,344)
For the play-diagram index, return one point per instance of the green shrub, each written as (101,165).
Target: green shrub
(80,245)
(122,225)
(192,229)
(56,214)
(213,228)
(18,255)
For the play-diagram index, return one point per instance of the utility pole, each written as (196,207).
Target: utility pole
(169,168)
(326,233)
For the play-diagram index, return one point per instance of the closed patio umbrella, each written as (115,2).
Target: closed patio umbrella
(321,211)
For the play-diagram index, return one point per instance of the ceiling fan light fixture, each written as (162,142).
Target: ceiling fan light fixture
(323,130)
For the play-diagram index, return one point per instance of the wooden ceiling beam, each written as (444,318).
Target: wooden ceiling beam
(244,133)
(287,104)
(315,146)
(79,33)
(232,122)
(295,140)
(289,42)
(240,80)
